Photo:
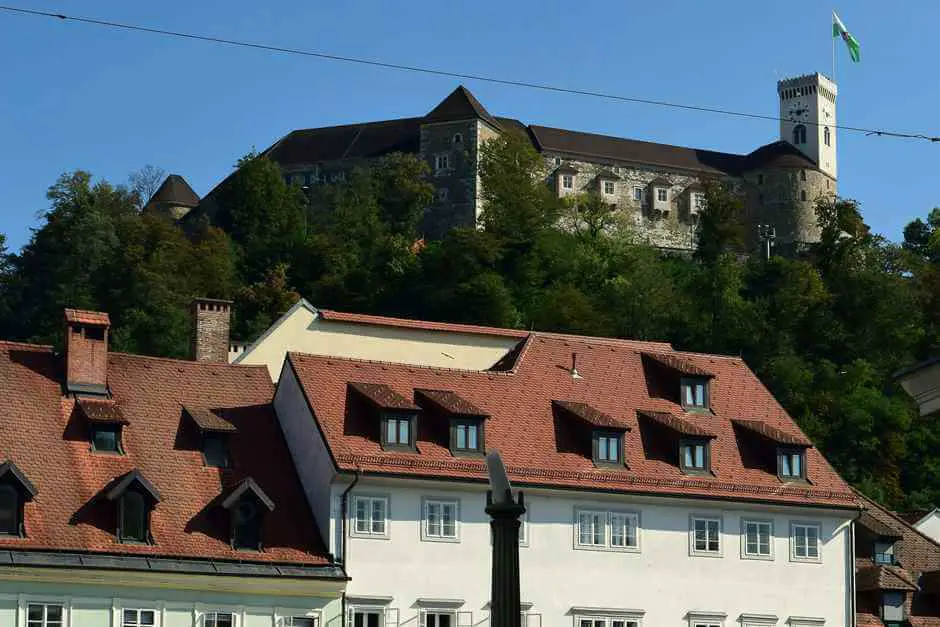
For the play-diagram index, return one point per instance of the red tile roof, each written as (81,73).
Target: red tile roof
(870,576)
(448,327)
(43,434)
(82,316)
(774,434)
(592,416)
(680,365)
(450,402)
(382,396)
(102,410)
(682,426)
(519,402)
(208,420)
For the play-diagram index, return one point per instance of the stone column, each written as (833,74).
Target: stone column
(505,606)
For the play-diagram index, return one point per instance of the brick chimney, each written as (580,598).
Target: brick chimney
(211,320)
(86,351)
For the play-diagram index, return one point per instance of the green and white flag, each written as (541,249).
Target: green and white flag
(839,30)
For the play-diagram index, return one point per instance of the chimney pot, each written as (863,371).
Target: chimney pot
(86,351)
(211,327)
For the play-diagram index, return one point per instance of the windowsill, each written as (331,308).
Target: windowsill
(805,560)
(107,453)
(426,538)
(693,472)
(606,549)
(399,448)
(609,465)
(368,536)
(696,409)
(758,558)
(466,453)
(135,542)
(694,553)
(796,480)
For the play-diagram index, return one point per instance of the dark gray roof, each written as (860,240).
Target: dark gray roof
(247,485)
(779,154)
(9,468)
(56,559)
(460,105)
(592,146)
(175,191)
(363,141)
(121,484)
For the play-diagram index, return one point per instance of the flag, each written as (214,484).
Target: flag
(839,30)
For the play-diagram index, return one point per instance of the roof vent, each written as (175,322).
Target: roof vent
(574,367)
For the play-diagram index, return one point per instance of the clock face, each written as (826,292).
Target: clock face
(798,110)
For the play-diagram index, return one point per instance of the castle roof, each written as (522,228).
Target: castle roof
(460,105)
(175,191)
(779,154)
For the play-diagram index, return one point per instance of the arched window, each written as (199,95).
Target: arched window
(802,175)
(9,510)
(458,138)
(799,134)
(827,136)
(246,524)
(133,517)
(802,194)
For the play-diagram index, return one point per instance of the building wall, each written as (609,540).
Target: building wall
(930,526)
(303,332)
(775,196)
(458,180)
(101,606)
(662,578)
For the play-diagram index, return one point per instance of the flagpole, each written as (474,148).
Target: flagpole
(832,37)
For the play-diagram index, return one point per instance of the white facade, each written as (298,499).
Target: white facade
(405,567)
(809,102)
(929,525)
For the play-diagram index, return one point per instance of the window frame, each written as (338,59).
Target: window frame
(480,449)
(662,194)
(770,539)
(827,136)
(698,202)
(613,188)
(426,535)
(882,604)
(380,610)
(799,135)
(122,621)
(215,612)
(707,518)
(18,508)
(441,162)
(145,523)
(695,441)
(45,602)
(596,436)
(608,619)
(638,193)
(353,518)
(258,520)
(567,181)
(437,611)
(692,382)
(607,516)
(785,451)
(889,552)
(398,416)
(794,524)
(116,428)
(223,442)
(457,139)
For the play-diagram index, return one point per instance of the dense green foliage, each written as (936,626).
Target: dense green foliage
(824,330)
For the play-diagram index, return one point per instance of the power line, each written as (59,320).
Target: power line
(459,75)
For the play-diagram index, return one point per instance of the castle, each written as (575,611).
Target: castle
(659,186)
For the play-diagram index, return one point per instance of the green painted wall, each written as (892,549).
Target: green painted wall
(93,606)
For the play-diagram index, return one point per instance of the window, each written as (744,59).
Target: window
(617,531)
(106,438)
(439,619)
(607,448)
(802,175)
(219,619)
(9,511)
(215,450)
(398,431)
(799,134)
(44,615)
(802,194)
(609,188)
(791,464)
(884,553)
(441,194)
(638,194)
(246,524)
(694,456)
(467,436)
(557,161)
(705,536)
(371,515)
(892,606)
(440,520)
(441,162)
(804,542)
(367,618)
(138,618)
(301,621)
(606,621)
(458,138)
(698,202)
(133,517)
(757,539)
(567,181)
(662,194)
(694,393)
(827,136)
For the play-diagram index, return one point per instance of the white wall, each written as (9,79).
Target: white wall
(662,578)
(930,526)
(307,448)
(303,332)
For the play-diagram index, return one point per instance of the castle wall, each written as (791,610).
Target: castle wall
(782,198)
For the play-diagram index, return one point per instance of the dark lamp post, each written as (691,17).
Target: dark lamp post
(505,512)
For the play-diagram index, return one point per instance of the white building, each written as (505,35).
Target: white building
(662,488)
(306,329)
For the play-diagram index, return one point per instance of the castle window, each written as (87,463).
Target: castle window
(441,162)
(458,138)
(827,136)
(662,194)
(802,175)
(802,194)
(567,181)
(799,134)
(638,193)
(609,188)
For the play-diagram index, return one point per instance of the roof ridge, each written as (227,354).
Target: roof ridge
(189,362)
(639,141)
(396,364)
(897,518)
(37,347)
(354,125)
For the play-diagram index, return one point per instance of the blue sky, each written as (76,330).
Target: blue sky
(78,96)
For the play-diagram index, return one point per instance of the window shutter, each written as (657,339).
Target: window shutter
(465,619)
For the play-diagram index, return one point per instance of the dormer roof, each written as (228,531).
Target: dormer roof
(679,365)
(460,105)
(449,402)
(134,478)
(382,396)
(101,411)
(566,168)
(591,416)
(247,486)
(90,318)
(208,420)
(682,426)
(9,471)
(773,434)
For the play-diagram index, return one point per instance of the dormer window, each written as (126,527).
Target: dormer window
(247,505)
(106,439)
(883,553)
(215,450)
(215,431)
(694,455)
(467,436)
(608,448)
(694,393)
(892,607)
(567,181)
(398,430)
(105,422)
(15,491)
(791,464)
(135,498)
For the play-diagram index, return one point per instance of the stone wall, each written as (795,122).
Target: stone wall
(210,339)
(455,187)
(785,198)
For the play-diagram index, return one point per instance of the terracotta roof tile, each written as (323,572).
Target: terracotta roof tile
(101,410)
(878,527)
(680,365)
(382,396)
(884,577)
(209,420)
(681,426)
(449,401)
(772,433)
(83,316)
(448,327)
(48,441)
(519,402)
(591,416)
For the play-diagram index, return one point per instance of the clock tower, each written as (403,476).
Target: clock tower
(808,118)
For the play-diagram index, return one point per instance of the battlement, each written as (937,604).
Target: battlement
(806,85)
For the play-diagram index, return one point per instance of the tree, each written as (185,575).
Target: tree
(256,305)
(721,227)
(589,216)
(144,183)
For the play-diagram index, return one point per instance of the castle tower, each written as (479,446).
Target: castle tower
(808,118)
